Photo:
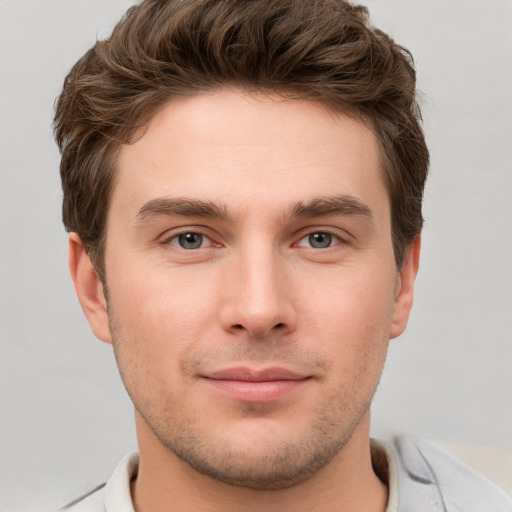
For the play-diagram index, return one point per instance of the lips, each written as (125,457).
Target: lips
(265,385)
(249,375)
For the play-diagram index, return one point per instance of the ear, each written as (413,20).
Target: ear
(405,288)
(89,288)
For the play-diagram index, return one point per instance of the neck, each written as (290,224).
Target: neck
(346,483)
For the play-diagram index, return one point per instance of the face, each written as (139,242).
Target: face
(252,284)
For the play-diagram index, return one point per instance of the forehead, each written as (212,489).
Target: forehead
(238,147)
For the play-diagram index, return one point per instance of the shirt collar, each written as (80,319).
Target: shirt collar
(118,495)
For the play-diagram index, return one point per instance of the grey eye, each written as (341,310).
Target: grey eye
(190,240)
(320,240)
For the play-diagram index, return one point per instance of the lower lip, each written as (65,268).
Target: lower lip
(249,391)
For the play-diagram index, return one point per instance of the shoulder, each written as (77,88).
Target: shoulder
(494,462)
(424,467)
(93,501)
(114,496)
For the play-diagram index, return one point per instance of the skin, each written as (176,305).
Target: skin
(278,281)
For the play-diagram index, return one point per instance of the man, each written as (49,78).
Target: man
(242,187)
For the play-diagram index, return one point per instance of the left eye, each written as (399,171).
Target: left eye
(190,240)
(319,240)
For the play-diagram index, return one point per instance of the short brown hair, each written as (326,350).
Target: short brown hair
(322,50)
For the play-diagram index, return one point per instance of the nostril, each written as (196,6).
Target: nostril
(280,325)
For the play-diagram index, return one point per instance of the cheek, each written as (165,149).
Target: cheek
(353,302)
(351,322)
(157,321)
(166,298)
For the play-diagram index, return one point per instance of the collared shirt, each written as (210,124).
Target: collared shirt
(420,476)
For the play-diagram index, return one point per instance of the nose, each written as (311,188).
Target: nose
(258,296)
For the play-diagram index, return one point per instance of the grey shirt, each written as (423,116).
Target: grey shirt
(421,477)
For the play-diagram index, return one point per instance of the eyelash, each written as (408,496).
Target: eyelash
(175,238)
(335,240)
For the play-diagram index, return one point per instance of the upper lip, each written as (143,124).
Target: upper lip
(253,375)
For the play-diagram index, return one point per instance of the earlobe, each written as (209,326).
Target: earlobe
(89,288)
(405,288)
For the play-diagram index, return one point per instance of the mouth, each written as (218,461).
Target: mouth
(250,385)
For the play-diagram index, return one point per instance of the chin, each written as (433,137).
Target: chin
(259,453)
(271,467)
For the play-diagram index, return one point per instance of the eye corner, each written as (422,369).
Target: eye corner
(321,239)
(187,239)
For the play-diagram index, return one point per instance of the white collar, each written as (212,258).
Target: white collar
(117,491)
(118,495)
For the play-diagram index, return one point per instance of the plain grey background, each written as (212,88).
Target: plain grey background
(65,417)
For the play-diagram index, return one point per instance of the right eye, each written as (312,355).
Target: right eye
(190,240)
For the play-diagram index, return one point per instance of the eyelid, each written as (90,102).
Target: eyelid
(336,241)
(173,234)
(342,236)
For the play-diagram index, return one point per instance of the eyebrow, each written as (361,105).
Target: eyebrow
(189,207)
(183,207)
(336,205)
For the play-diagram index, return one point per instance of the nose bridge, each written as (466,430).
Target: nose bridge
(259,298)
